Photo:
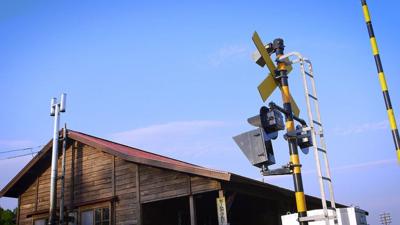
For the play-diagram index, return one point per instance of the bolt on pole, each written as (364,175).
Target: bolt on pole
(382,79)
(281,75)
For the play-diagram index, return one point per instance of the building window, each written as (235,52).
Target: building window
(42,221)
(96,216)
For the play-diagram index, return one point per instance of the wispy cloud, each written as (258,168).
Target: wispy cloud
(182,139)
(145,134)
(227,53)
(361,128)
(359,165)
(364,165)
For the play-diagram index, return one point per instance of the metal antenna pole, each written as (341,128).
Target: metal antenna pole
(56,108)
(54,167)
(281,75)
(64,148)
(382,79)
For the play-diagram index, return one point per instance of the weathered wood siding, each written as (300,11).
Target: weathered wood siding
(125,187)
(92,175)
(158,184)
(91,180)
(27,205)
(201,184)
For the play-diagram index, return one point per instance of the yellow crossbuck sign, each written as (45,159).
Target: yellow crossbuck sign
(269,84)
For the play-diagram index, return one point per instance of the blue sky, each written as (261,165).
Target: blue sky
(176,78)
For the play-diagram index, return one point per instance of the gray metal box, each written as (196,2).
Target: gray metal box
(257,147)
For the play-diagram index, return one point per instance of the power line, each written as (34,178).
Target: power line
(20,149)
(18,156)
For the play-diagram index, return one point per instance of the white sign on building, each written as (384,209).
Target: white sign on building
(221,210)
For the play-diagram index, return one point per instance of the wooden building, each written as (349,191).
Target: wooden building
(108,183)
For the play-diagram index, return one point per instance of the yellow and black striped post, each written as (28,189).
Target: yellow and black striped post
(382,79)
(281,75)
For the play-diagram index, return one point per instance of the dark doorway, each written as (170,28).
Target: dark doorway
(176,211)
(249,210)
(167,212)
(206,208)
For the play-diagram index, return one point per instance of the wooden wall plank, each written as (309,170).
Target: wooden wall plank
(138,198)
(202,184)
(125,189)
(92,175)
(157,184)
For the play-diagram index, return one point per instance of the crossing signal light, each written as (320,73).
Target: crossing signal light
(304,140)
(271,120)
(303,137)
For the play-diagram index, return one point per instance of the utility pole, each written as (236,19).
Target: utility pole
(385,218)
(382,79)
(55,109)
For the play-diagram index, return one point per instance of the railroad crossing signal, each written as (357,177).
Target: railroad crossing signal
(269,84)
(278,77)
(257,144)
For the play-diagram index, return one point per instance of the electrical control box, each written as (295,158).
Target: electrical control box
(345,216)
(257,147)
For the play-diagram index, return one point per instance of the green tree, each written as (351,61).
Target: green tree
(7,217)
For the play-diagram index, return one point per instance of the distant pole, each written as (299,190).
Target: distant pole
(385,218)
(382,79)
(55,109)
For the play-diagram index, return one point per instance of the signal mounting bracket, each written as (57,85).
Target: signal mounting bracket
(284,170)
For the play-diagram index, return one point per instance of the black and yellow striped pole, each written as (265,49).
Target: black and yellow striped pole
(375,52)
(281,75)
